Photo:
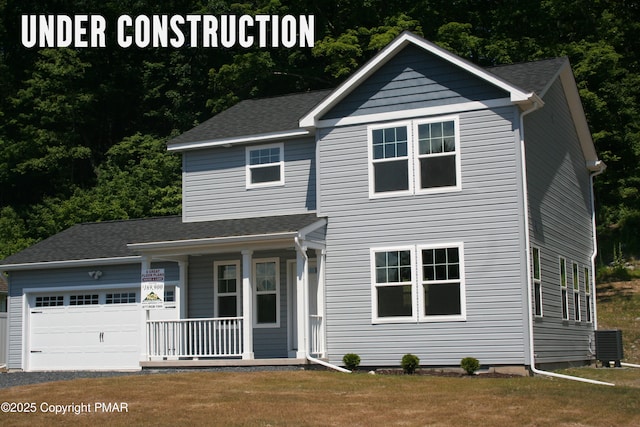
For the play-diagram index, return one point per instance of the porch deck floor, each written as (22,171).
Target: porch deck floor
(203,363)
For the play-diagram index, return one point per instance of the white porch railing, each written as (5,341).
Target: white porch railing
(315,338)
(214,337)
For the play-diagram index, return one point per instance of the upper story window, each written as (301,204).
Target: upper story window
(265,165)
(418,156)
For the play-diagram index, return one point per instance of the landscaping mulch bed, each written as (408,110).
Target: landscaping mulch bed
(441,373)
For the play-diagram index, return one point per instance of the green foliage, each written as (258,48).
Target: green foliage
(62,111)
(409,363)
(470,365)
(351,361)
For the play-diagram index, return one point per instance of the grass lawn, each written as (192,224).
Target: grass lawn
(319,398)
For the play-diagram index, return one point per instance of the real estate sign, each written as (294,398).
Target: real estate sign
(152,290)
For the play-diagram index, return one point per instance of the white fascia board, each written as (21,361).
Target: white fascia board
(580,120)
(225,142)
(302,233)
(71,263)
(309,120)
(212,241)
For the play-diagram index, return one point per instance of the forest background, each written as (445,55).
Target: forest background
(83,131)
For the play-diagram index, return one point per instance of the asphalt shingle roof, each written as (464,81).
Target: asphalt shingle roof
(530,76)
(255,117)
(109,239)
(282,113)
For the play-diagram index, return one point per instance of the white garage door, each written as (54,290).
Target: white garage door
(84,331)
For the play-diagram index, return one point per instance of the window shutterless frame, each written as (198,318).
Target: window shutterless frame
(390,281)
(437,155)
(264,165)
(537,282)
(442,278)
(226,285)
(563,288)
(390,166)
(266,295)
(587,294)
(576,291)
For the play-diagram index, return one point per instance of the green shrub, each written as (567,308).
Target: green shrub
(409,363)
(470,365)
(351,361)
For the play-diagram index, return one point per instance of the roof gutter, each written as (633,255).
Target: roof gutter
(525,200)
(70,263)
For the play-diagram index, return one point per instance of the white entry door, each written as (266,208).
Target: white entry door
(84,331)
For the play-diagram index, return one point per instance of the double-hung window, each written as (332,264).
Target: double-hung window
(227,286)
(537,283)
(393,286)
(576,292)
(265,165)
(423,283)
(413,157)
(563,288)
(390,159)
(587,293)
(437,155)
(266,276)
(442,287)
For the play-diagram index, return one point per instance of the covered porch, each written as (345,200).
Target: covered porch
(244,298)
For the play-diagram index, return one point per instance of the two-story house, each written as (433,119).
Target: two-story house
(425,206)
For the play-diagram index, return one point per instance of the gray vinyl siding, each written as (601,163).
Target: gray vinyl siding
(414,79)
(23,281)
(214,184)
(267,342)
(485,216)
(560,225)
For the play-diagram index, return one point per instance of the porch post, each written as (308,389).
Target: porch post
(144,314)
(182,290)
(302,271)
(321,255)
(247,306)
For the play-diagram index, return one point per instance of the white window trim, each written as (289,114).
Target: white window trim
(463,299)
(456,152)
(413,158)
(575,282)
(372,189)
(249,167)
(374,285)
(255,293)
(217,294)
(417,296)
(587,295)
(537,281)
(564,300)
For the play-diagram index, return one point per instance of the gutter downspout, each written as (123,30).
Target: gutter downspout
(525,197)
(305,310)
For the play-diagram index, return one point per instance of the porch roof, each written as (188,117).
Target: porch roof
(123,240)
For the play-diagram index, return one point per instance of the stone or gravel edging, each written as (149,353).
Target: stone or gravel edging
(13,379)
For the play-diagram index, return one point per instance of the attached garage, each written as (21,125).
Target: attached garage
(84,330)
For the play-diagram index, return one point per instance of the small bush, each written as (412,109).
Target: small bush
(409,363)
(351,361)
(470,365)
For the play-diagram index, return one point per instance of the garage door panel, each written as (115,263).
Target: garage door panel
(89,337)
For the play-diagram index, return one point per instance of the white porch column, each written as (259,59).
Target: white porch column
(183,289)
(144,314)
(321,255)
(302,274)
(247,306)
